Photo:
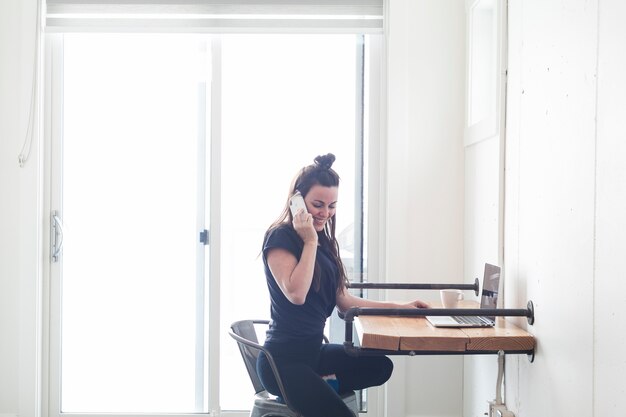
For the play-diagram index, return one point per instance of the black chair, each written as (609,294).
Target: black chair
(265,404)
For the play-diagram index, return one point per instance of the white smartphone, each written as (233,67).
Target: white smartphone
(296,202)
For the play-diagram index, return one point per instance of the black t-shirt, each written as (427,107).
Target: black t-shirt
(291,322)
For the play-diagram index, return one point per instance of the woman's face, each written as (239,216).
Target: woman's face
(321,202)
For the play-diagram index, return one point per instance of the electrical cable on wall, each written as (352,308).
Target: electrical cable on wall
(498,400)
(28,139)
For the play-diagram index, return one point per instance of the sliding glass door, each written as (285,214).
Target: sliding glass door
(129,286)
(169,155)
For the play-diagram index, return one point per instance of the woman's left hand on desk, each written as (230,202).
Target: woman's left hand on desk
(417,304)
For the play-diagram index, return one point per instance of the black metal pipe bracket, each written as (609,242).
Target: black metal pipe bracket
(414,286)
(527,312)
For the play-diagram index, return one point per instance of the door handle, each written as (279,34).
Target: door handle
(56,236)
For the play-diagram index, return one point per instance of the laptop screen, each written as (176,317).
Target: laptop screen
(491,282)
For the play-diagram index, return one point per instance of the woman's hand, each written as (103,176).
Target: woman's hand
(294,276)
(417,304)
(303,223)
(345,300)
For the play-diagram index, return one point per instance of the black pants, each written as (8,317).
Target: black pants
(301,368)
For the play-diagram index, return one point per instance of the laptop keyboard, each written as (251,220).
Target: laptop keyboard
(476,320)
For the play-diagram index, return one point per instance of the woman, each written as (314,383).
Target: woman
(306,280)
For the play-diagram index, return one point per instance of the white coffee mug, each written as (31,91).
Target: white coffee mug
(451,298)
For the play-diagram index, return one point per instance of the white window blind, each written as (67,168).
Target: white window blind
(215,16)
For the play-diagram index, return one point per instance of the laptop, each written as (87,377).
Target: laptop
(488,299)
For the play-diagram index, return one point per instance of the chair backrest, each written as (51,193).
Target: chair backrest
(250,350)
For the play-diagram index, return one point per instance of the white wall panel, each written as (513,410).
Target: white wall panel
(426,52)
(482,209)
(610,287)
(436,90)
(552,154)
(515,292)
(397,208)
(10,144)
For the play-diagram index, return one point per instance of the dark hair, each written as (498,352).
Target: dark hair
(318,173)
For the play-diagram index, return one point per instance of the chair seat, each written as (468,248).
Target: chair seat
(351,401)
(266,405)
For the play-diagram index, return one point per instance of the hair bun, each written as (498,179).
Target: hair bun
(325,161)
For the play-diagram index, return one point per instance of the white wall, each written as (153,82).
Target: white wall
(610,207)
(426,88)
(18,352)
(20,314)
(9,195)
(566,195)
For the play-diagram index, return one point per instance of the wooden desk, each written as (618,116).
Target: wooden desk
(415,335)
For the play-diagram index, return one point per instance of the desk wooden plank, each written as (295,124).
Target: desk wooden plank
(407,333)
(418,334)
(377,332)
(504,336)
